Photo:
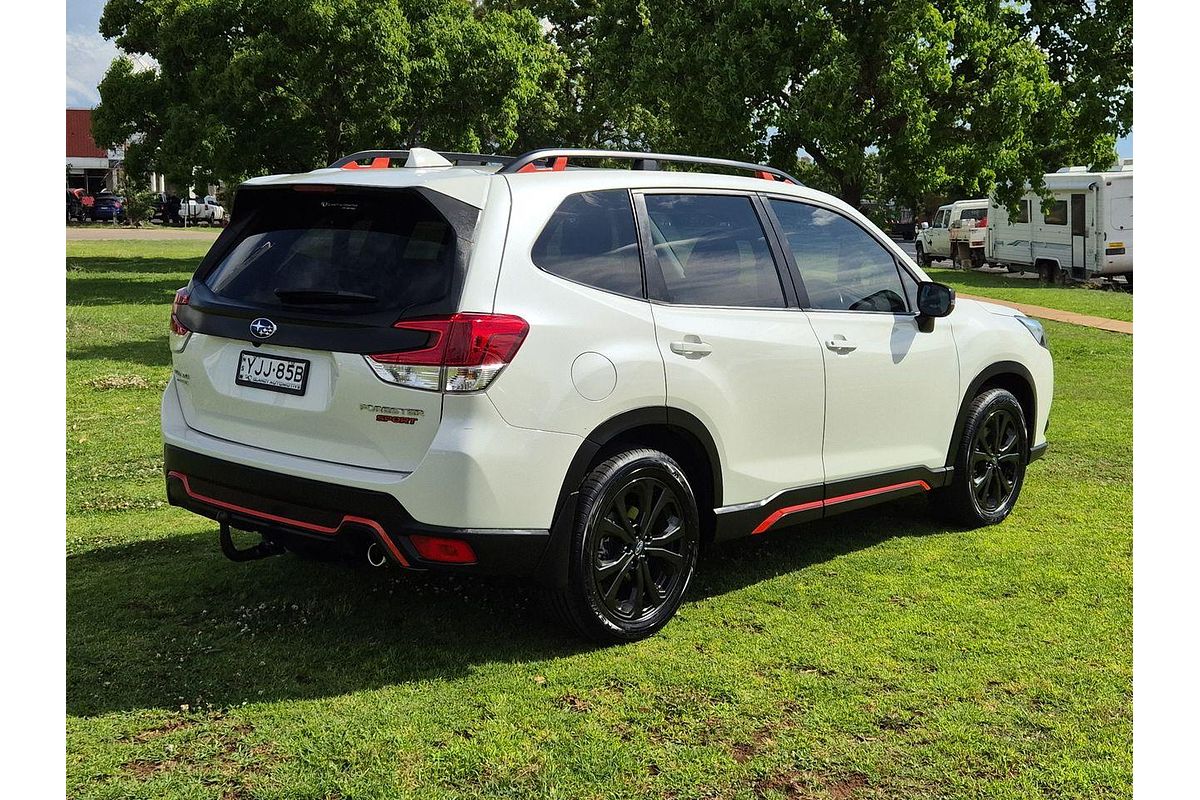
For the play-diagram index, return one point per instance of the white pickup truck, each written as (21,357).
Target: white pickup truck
(958,232)
(208,210)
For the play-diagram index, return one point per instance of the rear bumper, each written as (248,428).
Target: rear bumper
(280,505)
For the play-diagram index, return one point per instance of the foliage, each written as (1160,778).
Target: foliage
(245,87)
(903,99)
(139,203)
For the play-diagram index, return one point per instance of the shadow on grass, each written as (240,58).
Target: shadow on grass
(149,352)
(139,265)
(119,290)
(163,623)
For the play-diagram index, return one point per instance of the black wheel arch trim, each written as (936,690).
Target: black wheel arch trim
(988,373)
(552,569)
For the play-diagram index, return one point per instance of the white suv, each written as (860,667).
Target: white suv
(513,365)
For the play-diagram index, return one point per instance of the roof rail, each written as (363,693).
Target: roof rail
(558,158)
(382,159)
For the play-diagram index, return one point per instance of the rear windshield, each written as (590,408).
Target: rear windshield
(338,251)
(973,213)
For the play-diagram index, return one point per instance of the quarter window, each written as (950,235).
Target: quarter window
(712,251)
(591,239)
(843,268)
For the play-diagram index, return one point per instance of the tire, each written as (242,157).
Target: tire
(989,467)
(636,527)
(923,260)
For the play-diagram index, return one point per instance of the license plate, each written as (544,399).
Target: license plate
(276,373)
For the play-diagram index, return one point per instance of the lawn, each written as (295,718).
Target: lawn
(1081,299)
(873,655)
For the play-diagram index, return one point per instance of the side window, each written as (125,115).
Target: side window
(940,220)
(842,266)
(591,239)
(1056,213)
(712,251)
(1022,215)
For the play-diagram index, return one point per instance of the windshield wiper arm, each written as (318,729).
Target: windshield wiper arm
(323,296)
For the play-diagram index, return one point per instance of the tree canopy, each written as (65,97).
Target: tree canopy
(244,87)
(904,99)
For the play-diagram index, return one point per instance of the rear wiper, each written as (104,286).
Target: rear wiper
(323,296)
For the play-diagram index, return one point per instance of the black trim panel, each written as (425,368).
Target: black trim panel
(498,551)
(1038,452)
(999,368)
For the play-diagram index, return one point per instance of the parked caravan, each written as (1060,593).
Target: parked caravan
(1085,231)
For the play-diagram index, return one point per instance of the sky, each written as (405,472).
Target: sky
(89,54)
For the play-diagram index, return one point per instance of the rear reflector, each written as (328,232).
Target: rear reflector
(179,332)
(464,353)
(443,550)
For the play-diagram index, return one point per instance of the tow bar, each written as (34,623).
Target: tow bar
(264,549)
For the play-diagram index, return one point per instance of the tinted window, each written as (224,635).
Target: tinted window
(842,266)
(712,251)
(345,251)
(973,213)
(1056,214)
(591,239)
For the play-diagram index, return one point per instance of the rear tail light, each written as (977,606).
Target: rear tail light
(465,352)
(439,548)
(179,332)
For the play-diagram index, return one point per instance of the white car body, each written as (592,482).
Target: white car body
(1088,232)
(202,210)
(792,409)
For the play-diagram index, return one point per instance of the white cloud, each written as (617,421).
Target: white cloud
(88,57)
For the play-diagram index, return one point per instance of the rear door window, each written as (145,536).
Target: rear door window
(1056,213)
(356,252)
(591,239)
(712,251)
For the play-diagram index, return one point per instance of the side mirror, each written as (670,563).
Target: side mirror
(924,226)
(933,300)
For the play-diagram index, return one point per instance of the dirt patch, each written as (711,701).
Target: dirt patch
(106,383)
(800,785)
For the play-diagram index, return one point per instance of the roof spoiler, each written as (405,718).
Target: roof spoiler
(416,157)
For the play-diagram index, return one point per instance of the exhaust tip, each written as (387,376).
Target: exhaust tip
(376,556)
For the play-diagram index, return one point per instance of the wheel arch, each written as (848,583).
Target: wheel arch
(1010,375)
(674,431)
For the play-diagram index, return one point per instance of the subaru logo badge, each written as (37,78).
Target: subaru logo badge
(263,328)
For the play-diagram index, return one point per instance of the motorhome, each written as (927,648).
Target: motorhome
(1085,231)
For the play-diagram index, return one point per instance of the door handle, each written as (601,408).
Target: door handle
(691,347)
(840,345)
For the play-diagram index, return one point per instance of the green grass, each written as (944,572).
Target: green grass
(871,655)
(1080,299)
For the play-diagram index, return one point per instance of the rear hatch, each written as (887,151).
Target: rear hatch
(277,321)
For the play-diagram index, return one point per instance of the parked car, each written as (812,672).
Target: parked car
(107,208)
(1084,232)
(207,210)
(167,209)
(75,208)
(578,376)
(958,232)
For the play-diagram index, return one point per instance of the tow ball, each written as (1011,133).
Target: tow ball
(264,549)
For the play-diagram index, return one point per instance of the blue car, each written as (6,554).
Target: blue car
(108,207)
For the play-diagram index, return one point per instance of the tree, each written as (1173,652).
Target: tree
(244,87)
(917,96)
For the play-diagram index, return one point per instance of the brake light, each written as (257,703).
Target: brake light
(179,331)
(438,548)
(982,223)
(465,352)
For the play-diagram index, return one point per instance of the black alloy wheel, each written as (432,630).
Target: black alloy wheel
(634,547)
(995,460)
(989,466)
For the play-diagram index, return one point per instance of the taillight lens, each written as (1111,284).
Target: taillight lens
(179,332)
(438,548)
(465,352)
